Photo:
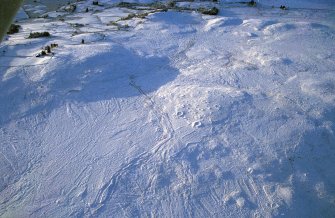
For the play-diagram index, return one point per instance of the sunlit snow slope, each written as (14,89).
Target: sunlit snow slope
(171,114)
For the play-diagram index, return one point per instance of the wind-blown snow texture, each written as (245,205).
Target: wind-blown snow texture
(178,114)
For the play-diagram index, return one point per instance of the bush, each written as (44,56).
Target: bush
(171,4)
(13,29)
(125,4)
(131,16)
(283,7)
(38,35)
(158,5)
(113,23)
(47,50)
(53,45)
(252,3)
(212,11)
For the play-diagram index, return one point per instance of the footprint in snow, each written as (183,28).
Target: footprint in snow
(180,114)
(197,124)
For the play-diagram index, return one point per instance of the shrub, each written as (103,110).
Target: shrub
(171,4)
(158,5)
(113,23)
(13,29)
(130,16)
(53,45)
(212,11)
(252,3)
(47,49)
(38,35)
(143,15)
(125,4)
(283,7)
(41,54)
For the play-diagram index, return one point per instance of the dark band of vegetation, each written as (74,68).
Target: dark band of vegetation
(38,35)
(212,11)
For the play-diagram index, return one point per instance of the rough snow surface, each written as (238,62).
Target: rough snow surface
(177,114)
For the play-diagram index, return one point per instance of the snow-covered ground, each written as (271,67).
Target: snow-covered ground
(177,114)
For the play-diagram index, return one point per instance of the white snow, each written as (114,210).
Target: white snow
(177,114)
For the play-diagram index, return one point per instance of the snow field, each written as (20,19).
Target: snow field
(177,115)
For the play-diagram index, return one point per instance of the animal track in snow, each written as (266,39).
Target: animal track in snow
(180,114)
(197,124)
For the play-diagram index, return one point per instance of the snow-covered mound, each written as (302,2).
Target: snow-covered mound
(147,111)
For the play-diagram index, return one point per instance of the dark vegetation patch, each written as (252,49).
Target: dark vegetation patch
(283,7)
(159,5)
(126,4)
(211,11)
(113,23)
(171,4)
(119,26)
(47,50)
(251,3)
(34,35)
(14,28)
(131,16)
